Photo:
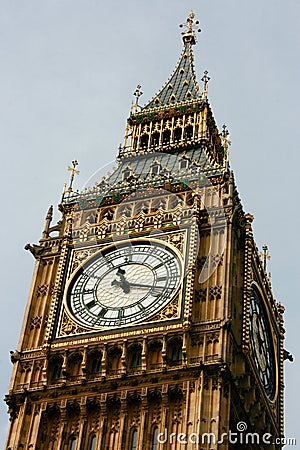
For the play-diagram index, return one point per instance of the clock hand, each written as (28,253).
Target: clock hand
(123,283)
(148,286)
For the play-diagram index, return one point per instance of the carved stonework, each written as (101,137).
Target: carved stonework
(171,311)
(81,255)
(197,340)
(200,295)
(155,408)
(213,337)
(93,370)
(177,240)
(215,292)
(177,409)
(42,290)
(113,408)
(212,261)
(51,289)
(35,322)
(68,327)
(135,411)
(94,418)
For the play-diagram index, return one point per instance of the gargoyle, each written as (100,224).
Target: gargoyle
(14,356)
(36,250)
(287,355)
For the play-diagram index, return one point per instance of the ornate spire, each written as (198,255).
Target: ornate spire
(205,80)
(265,256)
(226,142)
(48,222)
(73,171)
(135,105)
(182,85)
(190,26)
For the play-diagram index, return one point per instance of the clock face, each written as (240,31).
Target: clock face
(262,344)
(124,284)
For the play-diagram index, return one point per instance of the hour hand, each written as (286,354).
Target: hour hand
(123,283)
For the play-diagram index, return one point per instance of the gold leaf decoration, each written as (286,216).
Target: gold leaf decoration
(176,240)
(81,255)
(69,327)
(170,311)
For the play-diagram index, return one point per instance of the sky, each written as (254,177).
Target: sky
(68,71)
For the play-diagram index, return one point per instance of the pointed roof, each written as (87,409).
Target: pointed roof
(182,85)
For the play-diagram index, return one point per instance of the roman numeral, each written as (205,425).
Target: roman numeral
(157,290)
(90,304)
(88,291)
(102,312)
(162,263)
(161,279)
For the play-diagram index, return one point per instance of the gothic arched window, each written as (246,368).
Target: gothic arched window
(74,364)
(166,136)
(55,365)
(155,168)
(154,439)
(144,140)
(72,445)
(174,352)
(93,443)
(136,357)
(134,440)
(188,132)
(114,360)
(177,134)
(126,173)
(155,139)
(154,355)
(183,164)
(94,362)
(96,365)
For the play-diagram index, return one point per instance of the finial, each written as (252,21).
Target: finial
(205,80)
(190,27)
(64,188)
(73,170)
(226,142)
(265,255)
(137,93)
(48,222)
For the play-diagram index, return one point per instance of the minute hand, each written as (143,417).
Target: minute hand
(148,286)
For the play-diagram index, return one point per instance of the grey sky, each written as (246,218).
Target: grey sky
(68,72)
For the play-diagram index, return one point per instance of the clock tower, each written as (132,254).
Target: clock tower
(151,322)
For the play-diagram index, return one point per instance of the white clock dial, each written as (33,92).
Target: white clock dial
(124,284)
(262,345)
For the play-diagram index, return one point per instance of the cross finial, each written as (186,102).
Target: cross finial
(73,170)
(205,80)
(265,255)
(190,26)
(226,142)
(137,93)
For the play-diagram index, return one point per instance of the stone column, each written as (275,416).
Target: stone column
(144,354)
(164,414)
(103,362)
(103,420)
(141,444)
(82,425)
(63,423)
(122,419)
